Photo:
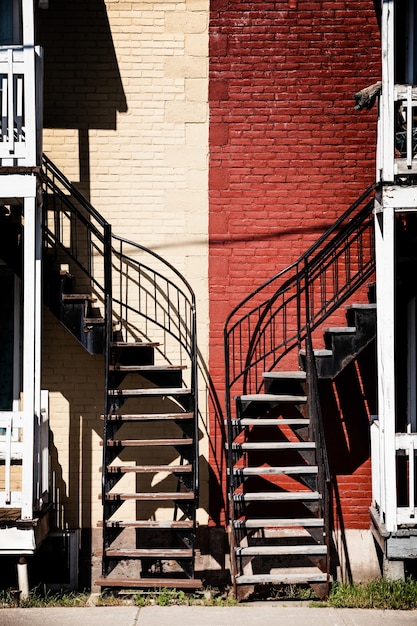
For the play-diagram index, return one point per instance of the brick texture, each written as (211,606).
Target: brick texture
(288,153)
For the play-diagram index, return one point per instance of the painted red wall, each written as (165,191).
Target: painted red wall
(288,152)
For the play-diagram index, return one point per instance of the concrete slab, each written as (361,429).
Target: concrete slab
(257,614)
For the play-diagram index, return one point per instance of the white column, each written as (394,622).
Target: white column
(29,327)
(384,240)
(386,129)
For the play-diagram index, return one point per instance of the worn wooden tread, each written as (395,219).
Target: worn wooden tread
(270,421)
(294,375)
(154,391)
(295,522)
(147,368)
(275,445)
(134,344)
(151,496)
(308,549)
(262,470)
(282,578)
(279,496)
(272,397)
(148,442)
(149,469)
(340,330)
(183,524)
(149,583)
(157,553)
(148,417)
(78,297)
(93,320)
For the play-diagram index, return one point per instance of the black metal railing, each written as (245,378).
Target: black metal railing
(142,297)
(273,320)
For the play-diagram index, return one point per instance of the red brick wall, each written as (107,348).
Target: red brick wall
(288,153)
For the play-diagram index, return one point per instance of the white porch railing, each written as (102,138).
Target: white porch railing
(405,98)
(12,454)
(20,105)
(402,504)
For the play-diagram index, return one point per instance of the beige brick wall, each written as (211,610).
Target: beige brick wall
(145,171)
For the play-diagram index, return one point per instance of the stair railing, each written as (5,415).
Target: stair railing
(141,296)
(273,320)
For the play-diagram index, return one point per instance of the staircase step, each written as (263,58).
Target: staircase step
(275,445)
(155,391)
(307,549)
(272,397)
(283,578)
(149,469)
(295,522)
(269,421)
(181,525)
(291,374)
(189,495)
(149,417)
(146,368)
(267,470)
(78,297)
(134,344)
(149,583)
(156,553)
(121,443)
(88,321)
(276,496)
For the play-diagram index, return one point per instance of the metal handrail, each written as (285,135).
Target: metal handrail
(271,321)
(135,286)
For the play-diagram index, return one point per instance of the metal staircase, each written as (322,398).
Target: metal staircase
(279,481)
(119,299)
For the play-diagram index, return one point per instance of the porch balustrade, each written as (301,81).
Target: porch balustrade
(20,105)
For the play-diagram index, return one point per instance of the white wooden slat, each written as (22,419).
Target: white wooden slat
(10,122)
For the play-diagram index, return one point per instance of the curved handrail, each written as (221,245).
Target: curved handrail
(271,321)
(139,290)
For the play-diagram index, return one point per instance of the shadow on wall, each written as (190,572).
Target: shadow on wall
(82,84)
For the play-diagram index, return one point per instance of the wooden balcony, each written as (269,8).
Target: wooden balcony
(20,106)
(405,145)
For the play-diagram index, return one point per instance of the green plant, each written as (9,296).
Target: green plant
(376,594)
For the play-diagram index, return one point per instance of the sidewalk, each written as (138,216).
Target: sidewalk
(256,614)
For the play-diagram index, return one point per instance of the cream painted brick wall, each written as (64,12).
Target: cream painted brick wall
(148,176)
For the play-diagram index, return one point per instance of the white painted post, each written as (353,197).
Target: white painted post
(29,324)
(386,137)
(30,78)
(384,241)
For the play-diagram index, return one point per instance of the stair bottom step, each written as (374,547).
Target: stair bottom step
(282,578)
(150,583)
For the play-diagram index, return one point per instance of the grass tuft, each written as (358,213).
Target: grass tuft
(376,594)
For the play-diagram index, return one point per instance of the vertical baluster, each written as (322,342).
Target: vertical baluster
(19,108)
(4,99)
(10,107)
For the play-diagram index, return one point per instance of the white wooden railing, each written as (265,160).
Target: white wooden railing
(405,98)
(400,504)
(20,105)
(13,444)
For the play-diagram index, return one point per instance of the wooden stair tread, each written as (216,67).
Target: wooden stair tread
(151,496)
(276,496)
(273,397)
(155,391)
(134,344)
(148,469)
(148,417)
(296,522)
(312,549)
(158,553)
(146,368)
(68,297)
(275,445)
(94,320)
(291,469)
(153,583)
(283,578)
(148,442)
(270,421)
(183,524)
(278,375)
